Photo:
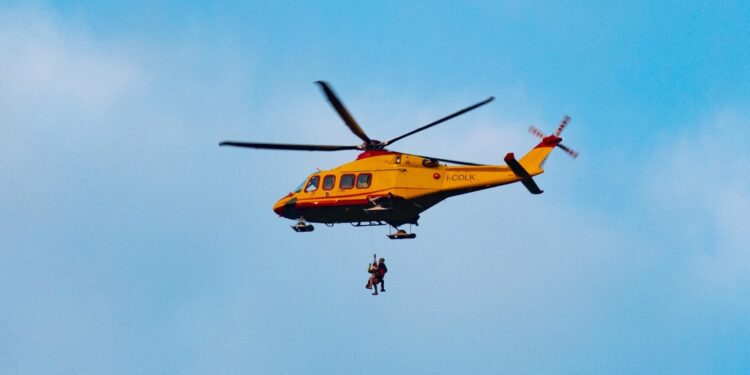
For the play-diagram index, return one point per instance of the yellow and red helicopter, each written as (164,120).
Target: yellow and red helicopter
(389,187)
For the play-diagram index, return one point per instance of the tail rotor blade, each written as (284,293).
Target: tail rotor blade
(572,153)
(536,132)
(562,125)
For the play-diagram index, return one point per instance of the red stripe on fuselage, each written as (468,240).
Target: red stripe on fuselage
(332,203)
(371,193)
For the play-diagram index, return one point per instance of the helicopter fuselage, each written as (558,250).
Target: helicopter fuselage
(386,186)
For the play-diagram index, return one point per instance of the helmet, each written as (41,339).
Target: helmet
(382,260)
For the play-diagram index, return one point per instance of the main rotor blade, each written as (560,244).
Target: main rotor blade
(286,146)
(446,118)
(449,160)
(345,115)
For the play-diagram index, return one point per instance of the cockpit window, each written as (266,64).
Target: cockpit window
(328,182)
(299,187)
(313,184)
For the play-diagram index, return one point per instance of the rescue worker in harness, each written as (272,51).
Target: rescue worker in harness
(383,270)
(374,277)
(377,271)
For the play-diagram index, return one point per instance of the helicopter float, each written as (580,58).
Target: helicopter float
(384,187)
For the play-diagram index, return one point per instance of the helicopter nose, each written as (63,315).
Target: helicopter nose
(278,207)
(285,206)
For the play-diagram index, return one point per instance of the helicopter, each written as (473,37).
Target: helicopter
(385,187)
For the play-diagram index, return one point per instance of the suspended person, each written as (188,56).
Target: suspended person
(382,270)
(372,282)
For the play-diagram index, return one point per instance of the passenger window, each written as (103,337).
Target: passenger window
(328,182)
(313,184)
(347,181)
(363,180)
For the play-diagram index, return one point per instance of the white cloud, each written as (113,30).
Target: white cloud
(60,91)
(699,188)
(45,66)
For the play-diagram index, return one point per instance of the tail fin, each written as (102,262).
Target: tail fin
(534,159)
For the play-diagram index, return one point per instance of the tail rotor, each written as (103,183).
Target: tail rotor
(533,130)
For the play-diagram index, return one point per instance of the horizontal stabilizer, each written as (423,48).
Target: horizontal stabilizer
(518,169)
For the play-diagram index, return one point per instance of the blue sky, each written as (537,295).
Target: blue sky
(131,243)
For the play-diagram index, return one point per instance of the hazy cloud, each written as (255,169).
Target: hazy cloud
(699,185)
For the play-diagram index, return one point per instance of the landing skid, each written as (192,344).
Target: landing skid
(401,235)
(397,236)
(303,227)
